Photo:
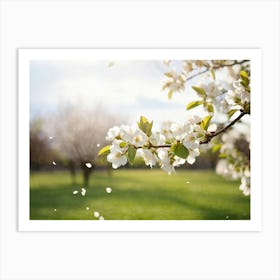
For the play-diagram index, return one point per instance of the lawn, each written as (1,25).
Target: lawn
(138,195)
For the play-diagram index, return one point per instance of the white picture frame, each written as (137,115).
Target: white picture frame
(139,255)
(25,56)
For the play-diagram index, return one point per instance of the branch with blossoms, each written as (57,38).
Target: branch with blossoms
(175,144)
(216,64)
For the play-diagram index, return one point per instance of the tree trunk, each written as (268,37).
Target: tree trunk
(86,174)
(72,170)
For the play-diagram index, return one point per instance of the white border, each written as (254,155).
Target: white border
(24,58)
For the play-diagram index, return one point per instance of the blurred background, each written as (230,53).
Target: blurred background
(72,106)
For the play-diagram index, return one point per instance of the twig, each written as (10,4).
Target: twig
(217,67)
(213,134)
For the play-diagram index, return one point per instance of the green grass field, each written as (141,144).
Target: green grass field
(138,195)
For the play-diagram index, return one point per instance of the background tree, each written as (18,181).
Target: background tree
(41,152)
(78,133)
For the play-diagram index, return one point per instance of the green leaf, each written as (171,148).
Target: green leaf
(205,122)
(245,78)
(179,150)
(216,148)
(199,90)
(145,125)
(143,119)
(123,144)
(222,155)
(131,152)
(212,71)
(168,74)
(194,104)
(149,128)
(209,107)
(231,113)
(243,84)
(105,150)
(244,75)
(170,93)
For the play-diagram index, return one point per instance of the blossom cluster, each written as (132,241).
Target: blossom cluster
(214,97)
(235,159)
(172,145)
(214,94)
(239,97)
(175,80)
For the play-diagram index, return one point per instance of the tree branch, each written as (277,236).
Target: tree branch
(209,137)
(217,67)
(213,134)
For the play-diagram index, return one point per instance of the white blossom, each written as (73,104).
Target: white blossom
(212,90)
(113,133)
(238,97)
(195,120)
(165,160)
(117,154)
(166,62)
(117,159)
(174,81)
(212,127)
(157,139)
(192,155)
(149,157)
(187,67)
(165,129)
(190,141)
(168,167)
(178,161)
(227,170)
(134,136)
(179,130)
(245,185)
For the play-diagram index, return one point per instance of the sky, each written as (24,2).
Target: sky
(126,88)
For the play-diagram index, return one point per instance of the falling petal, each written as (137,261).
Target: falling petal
(97,145)
(83,192)
(108,190)
(75,192)
(101,218)
(88,165)
(96,214)
(54,163)
(50,137)
(87,208)
(111,63)
(166,62)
